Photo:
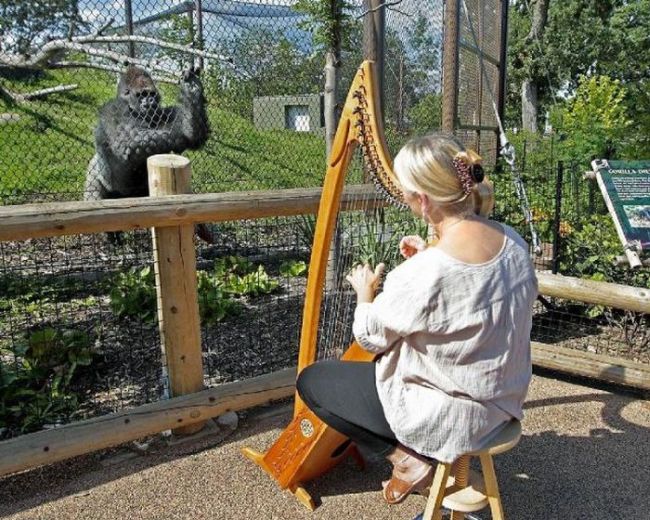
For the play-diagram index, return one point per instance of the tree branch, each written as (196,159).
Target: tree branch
(388,5)
(20,98)
(173,80)
(79,44)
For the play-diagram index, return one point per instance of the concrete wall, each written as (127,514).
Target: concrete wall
(278,112)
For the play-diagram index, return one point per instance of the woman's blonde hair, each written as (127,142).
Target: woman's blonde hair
(429,165)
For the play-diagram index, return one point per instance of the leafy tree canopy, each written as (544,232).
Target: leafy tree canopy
(26,23)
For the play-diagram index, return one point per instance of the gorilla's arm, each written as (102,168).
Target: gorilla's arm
(191,115)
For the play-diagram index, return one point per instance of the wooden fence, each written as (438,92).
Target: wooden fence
(172,213)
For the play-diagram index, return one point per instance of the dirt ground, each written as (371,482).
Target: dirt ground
(584,455)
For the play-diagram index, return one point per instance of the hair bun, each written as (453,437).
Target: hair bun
(477,172)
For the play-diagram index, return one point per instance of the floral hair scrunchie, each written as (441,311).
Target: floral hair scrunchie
(468,167)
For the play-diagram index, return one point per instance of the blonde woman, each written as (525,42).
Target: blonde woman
(451,329)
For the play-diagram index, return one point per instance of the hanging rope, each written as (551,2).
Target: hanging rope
(507,150)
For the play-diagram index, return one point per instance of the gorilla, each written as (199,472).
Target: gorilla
(134,126)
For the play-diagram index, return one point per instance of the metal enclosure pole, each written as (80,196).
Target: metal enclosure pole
(190,20)
(558,217)
(503,60)
(374,29)
(198,6)
(128,17)
(450,66)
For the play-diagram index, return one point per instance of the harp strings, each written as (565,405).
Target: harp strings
(354,230)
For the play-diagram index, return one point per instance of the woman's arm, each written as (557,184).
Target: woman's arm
(380,322)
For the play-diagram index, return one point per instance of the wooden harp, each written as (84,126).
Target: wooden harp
(308,448)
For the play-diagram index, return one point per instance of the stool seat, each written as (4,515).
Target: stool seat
(506,439)
(461,490)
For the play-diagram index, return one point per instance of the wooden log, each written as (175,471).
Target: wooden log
(27,221)
(595,366)
(48,446)
(175,269)
(598,293)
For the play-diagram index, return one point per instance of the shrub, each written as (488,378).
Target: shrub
(589,251)
(134,294)
(35,389)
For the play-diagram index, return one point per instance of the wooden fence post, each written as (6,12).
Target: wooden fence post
(175,268)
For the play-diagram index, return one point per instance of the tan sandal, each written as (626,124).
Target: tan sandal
(396,490)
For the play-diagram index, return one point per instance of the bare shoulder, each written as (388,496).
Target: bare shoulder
(476,241)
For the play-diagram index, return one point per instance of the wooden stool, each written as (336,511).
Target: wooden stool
(461,490)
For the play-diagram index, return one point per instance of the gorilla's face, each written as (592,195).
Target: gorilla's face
(138,89)
(146,100)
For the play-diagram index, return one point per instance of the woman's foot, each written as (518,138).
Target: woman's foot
(411,473)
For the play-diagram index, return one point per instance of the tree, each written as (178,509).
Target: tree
(528,26)
(26,23)
(552,44)
(177,29)
(265,63)
(630,62)
(596,119)
(330,22)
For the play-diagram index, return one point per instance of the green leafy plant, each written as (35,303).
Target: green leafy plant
(35,389)
(379,237)
(293,268)
(134,294)
(596,120)
(306,230)
(214,302)
(232,278)
(252,284)
(233,265)
(590,250)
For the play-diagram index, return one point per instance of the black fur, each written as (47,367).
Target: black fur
(134,126)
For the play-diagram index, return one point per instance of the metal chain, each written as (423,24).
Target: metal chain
(507,150)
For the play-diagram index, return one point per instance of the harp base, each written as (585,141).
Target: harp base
(297,489)
(295,458)
(308,448)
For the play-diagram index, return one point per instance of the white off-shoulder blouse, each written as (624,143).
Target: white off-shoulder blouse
(454,340)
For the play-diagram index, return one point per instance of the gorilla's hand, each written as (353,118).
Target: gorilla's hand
(191,82)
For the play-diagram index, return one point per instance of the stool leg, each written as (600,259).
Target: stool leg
(491,486)
(437,492)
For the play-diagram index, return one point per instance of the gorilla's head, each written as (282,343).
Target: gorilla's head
(138,89)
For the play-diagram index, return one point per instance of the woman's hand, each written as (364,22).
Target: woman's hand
(365,281)
(411,245)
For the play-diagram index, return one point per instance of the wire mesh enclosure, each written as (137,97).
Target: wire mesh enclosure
(259,92)
(475,72)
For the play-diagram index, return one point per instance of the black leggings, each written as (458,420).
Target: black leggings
(344,396)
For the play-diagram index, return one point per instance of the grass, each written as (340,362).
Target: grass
(46,153)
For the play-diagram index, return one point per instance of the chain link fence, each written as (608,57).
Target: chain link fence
(262,80)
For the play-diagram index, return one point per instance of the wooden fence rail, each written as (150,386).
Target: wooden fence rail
(48,446)
(73,218)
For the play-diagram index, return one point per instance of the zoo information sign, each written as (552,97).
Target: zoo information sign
(626,189)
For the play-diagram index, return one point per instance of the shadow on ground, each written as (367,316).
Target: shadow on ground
(584,455)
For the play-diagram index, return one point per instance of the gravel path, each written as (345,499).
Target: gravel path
(584,455)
